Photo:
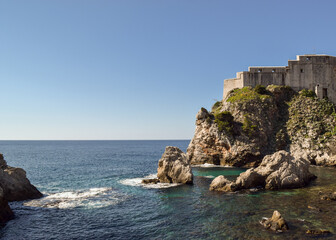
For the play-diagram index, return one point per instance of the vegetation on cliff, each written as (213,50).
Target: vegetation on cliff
(247,94)
(253,122)
(224,122)
(311,121)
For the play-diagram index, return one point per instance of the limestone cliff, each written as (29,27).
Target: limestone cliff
(253,122)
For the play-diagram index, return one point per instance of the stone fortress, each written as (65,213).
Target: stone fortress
(314,72)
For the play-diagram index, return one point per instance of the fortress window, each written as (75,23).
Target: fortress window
(325,93)
(259,70)
(308,58)
(273,70)
(301,70)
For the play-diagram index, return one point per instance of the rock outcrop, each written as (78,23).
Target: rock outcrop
(275,223)
(276,171)
(248,135)
(174,167)
(14,186)
(251,123)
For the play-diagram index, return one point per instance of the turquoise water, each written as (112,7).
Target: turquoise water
(92,191)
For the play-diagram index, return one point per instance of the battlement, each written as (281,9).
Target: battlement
(310,71)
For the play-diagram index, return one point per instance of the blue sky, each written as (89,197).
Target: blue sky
(99,69)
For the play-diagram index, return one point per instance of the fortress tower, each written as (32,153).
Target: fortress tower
(314,72)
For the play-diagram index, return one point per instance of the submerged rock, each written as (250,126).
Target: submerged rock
(275,223)
(317,232)
(174,167)
(329,196)
(276,171)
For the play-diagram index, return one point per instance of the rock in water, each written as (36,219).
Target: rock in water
(317,232)
(276,171)
(222,184)
(279,170)
(174,167)
(329,196)
(275,223)
(15,184)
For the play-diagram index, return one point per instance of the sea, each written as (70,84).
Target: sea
(93,190)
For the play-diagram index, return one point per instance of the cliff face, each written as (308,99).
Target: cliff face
(312,129)
(251,123)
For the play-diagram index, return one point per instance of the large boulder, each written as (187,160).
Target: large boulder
(174,167)
(279,170)
(222,184)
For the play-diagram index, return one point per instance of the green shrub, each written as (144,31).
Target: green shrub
(224,121)
(260,89)
(246,94)
(248,127)
(327,107)
(217,106)
(307,93)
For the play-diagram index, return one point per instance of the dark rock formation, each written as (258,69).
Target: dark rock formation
(174,167)
(275,223)
(276,171)
(14,186)
(5,211)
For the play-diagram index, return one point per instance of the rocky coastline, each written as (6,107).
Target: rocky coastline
(251,123)
(14,186)
(275,132)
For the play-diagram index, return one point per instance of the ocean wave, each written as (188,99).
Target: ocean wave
(209,165)
(138,182)
(89,198)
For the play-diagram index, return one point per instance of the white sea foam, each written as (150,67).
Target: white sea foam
(138,182)
(209,176)
(89,198)
(209,165)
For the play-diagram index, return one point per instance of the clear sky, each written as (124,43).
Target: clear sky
(122,69)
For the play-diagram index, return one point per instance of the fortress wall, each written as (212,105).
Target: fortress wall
(233,83)
(264,78)
(325,80)
(300,75)
(314,72)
